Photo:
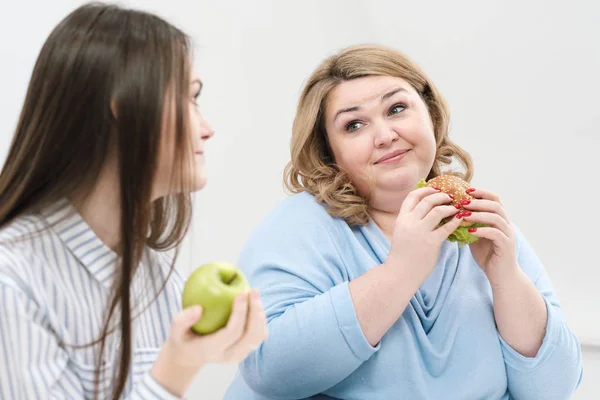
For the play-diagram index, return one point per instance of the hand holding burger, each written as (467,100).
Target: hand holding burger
(483,217)
(460,192)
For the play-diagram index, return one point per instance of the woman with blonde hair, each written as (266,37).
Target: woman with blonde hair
(365,298)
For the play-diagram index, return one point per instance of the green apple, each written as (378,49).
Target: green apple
(213,286)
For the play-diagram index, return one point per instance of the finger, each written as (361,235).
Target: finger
(233,331)
(493,234)
(491,219)
(437,214)
(256,330)
(487,206)
(483,194)
(415,197)
(184,320)
(427,203)
(445,230)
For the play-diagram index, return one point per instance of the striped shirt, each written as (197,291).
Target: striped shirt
(55,282)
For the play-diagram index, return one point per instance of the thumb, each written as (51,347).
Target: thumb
(449,227)
(183,321)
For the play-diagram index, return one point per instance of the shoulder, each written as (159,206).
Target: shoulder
(299,213)
(21,228)
(297,231)
(298,220)
(18,256)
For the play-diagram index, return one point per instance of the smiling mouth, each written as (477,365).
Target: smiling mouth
(392,157)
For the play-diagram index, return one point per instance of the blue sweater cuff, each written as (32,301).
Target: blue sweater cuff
(348,322)
(520,362)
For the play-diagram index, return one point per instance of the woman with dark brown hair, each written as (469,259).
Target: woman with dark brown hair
(94,202)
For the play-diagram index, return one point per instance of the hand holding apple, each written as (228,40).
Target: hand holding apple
(213,286)
(185,352)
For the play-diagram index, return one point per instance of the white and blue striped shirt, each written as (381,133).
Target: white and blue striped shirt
(55,281)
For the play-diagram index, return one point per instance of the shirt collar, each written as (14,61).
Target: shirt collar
(82,241)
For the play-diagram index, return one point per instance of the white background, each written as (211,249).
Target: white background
(522,80)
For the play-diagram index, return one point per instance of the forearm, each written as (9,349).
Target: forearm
(520,311)
(386,289)
(313,345)
(542,356)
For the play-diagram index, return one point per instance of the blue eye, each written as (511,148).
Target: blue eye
(397,109)
(353,126)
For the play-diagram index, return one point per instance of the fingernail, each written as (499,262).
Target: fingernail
(457,206)
(471,230)
(471,190)
(465,202)
(459,215)
(466,213)
(451,195)
(436,188)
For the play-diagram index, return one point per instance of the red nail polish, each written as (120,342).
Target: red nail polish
(457,206)
(436,188)
(471,190)
(459,215)
(472,230)
(466,213)
(451,195)
(465,202)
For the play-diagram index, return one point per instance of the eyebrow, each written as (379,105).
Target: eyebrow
(383,98)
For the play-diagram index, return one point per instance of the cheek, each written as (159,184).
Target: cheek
(422,137)
(194,122)
(354,155)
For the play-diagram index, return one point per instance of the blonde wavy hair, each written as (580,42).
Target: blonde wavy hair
(312,167)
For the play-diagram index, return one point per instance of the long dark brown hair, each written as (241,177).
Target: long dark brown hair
(100,84)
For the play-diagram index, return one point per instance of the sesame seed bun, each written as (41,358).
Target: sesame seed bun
(457,187)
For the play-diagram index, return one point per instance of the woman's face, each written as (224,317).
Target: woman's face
(379,127)
(199,132)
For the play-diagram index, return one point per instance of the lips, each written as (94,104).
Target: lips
(391,155)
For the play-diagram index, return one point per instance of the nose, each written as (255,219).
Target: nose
(206,130)
(385,136)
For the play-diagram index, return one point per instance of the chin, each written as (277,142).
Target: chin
(400,178)
(199,183)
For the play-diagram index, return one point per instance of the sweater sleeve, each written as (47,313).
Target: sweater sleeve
(315,340)
(556,371)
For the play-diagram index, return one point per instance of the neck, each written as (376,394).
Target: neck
(100,208)
(384,210)
(385,220)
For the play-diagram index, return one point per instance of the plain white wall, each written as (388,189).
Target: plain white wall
(521,79)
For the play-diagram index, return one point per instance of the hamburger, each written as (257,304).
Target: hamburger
(457,187)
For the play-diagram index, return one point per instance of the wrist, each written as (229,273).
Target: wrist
(170,375)
(398,272)
(505,277)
